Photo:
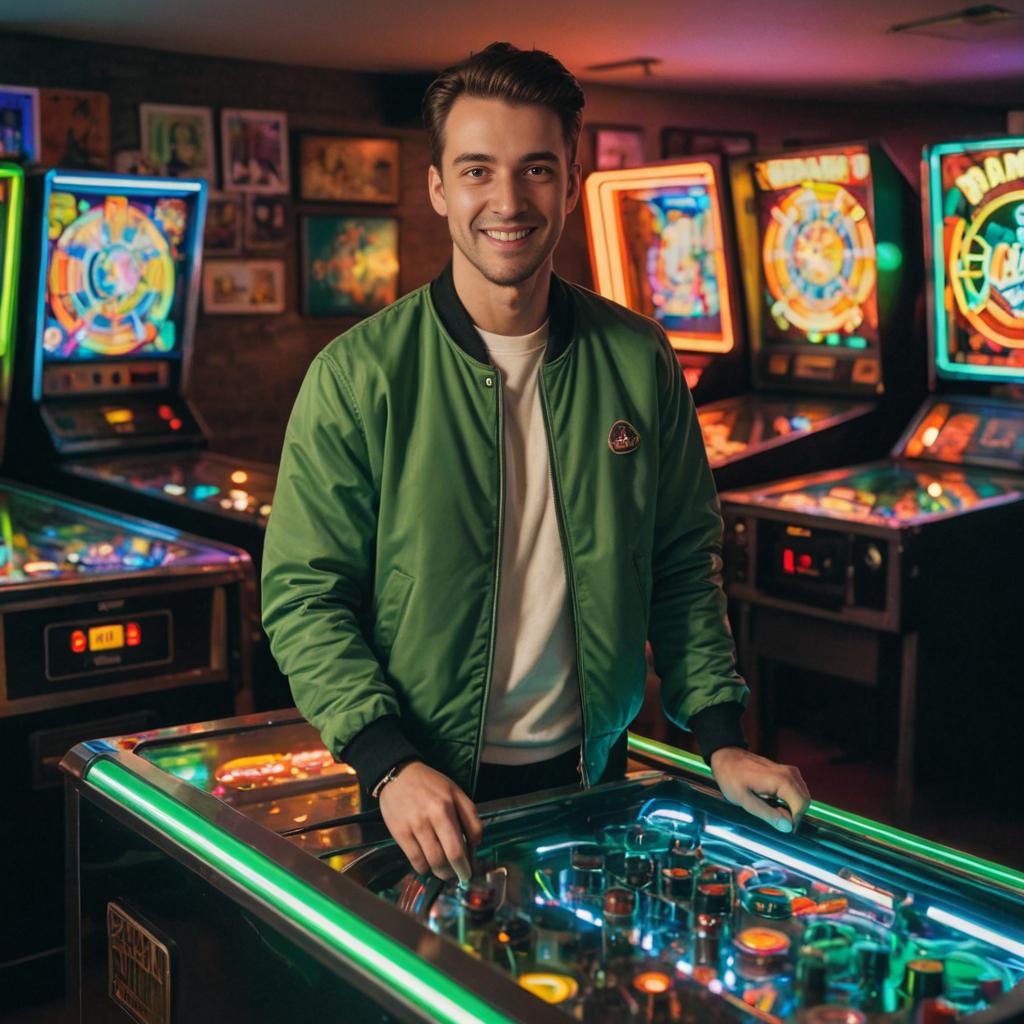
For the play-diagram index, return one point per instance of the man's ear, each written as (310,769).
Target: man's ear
(572,192)
(435,189)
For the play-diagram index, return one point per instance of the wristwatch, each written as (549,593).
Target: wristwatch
(389,776)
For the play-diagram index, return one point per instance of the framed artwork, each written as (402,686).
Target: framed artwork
(243,286)
(179,139)
(133,161)
(19,122)
(349,264)
(75,128)
(690,141)
(618,147)
(346,169)
(255,150)
(222,232)
(266,221)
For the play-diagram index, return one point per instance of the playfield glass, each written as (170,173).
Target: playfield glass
(732,428)
(283,778)
(119,260)
(971,431)
(975,201)
(205,480)
(818,258)
(886,494)
(654,903)
(42,538)
(656,237)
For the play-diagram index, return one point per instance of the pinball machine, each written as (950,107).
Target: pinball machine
(900,574)
(109,299)
(106,621)
(828,243)
(222,873)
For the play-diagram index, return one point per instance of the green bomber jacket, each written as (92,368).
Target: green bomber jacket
(381,567)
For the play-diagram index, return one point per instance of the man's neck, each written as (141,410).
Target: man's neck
(513,310)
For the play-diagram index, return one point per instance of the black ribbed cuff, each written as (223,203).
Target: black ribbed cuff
(718,726)
(376,749)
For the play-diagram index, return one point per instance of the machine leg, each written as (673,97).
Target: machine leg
(907,722)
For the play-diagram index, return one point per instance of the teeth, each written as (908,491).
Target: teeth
(508,236)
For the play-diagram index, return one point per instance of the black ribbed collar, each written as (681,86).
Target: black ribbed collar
(458,323)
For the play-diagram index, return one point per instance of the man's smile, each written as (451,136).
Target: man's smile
(511,235)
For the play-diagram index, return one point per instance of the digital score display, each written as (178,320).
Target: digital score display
(75,649)
(975,201)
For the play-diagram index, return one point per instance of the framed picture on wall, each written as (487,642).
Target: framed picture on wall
(254,150)
(243,286)
(75,128)
(347,169)
(266,221)
(349,264)
(222,233)
(179,139)
(690,141)
(616,147)
(19,122)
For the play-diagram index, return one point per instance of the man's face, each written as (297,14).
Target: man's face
(505,185)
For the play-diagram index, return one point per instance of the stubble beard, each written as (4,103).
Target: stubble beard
(512,276)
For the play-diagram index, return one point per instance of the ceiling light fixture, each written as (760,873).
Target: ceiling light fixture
(645,63)
(978,14)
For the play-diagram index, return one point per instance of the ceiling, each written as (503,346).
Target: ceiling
(798,47)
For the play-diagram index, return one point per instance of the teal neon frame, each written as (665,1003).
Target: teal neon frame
(938,327)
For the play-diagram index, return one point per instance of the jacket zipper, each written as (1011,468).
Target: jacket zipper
(570,575)
(478,753)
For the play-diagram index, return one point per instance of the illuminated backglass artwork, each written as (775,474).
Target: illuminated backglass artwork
(818,248)
(975,197)
(656,240)
(117,273)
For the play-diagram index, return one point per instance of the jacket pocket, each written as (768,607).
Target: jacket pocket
(390,612)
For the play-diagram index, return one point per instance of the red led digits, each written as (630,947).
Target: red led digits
(132,634)
(79,643)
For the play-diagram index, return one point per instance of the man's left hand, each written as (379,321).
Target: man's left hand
(751,781)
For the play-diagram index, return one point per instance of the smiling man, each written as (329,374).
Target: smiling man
(492,494)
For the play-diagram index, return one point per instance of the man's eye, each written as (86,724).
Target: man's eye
(475,172)
(538,172)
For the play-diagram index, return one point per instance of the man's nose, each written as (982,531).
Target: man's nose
(507,196)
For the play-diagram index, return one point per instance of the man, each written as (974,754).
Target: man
(491,494)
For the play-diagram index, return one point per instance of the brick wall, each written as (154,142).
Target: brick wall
(247,369)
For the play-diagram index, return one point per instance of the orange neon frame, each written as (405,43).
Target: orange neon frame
(608,245)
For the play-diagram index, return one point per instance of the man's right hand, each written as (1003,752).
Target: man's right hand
(431,819)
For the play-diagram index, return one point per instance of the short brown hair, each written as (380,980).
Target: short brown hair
(504,72)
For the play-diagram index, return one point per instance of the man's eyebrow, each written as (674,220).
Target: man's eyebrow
(475,158)
(540,156)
